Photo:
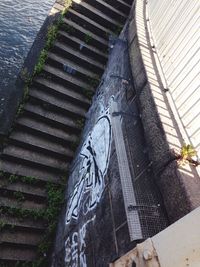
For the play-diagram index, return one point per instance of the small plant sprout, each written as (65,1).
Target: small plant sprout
(88,38)
(187,152)
(187,155)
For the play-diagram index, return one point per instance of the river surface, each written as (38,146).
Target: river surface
(20,21)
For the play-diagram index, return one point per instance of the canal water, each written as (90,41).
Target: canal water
(20,21)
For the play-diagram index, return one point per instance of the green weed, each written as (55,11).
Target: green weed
(41,62)
(88,38)
(19,196)
(2,225)
(13,178)
(80,123)
(187,152)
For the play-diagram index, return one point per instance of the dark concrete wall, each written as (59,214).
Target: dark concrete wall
(93,229)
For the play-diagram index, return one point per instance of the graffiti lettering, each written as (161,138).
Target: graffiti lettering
(75,247)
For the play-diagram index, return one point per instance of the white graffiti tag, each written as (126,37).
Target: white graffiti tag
(71,250)
(75,247)
(94,158)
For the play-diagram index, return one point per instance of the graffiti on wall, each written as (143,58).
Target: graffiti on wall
(94,158)
(93,164)
(75,247)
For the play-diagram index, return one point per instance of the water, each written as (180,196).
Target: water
(20,20)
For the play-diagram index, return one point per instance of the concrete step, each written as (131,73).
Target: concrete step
(9,201)
(26,169)
(51,117)
(108,10)
(20,237)
(22,187)
(45,130)
(25,223)
(61,91)
(63,78)
(41,144)
(18,150)
(13,252)
(30,163)
(41,149)
(120,5)
(68,66)
(85,48)
(82,33)
(87,23)
(78,57)
(129,2)
(97,16)
(56,103)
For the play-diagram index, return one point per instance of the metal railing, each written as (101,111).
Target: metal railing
(175,26)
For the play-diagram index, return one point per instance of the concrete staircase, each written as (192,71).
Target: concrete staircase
(43,139)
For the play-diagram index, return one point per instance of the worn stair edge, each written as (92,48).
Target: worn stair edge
(78,57)
(17,252)
(24,169)
(25,204)
(97,16)
(25,223)
(23,188)
(36,157)
(99,42)
(66,79)
(41,144)
(51,117)
(65,107)
(62,63)
(62,91)
(82,46)
(46,130)
(108,9)
(91,26)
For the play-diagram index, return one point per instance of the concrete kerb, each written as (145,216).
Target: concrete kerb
(179,185)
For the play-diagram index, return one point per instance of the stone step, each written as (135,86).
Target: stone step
(78,57)
(43,129)
(25,223)
(16,252)
(18,149)
(85,48)
(19,186)
(70,67)
(63,78)
(108,10)
(82,33)
(32,163)
(53,118)
(41,144)
(12,202)
(40,149)
(100,18)
(20,237)
(62,91)
(26,169)
(93,27)
(56,103)
(129,2)
(120,5)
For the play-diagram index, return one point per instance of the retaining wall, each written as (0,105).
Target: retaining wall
(179,184)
